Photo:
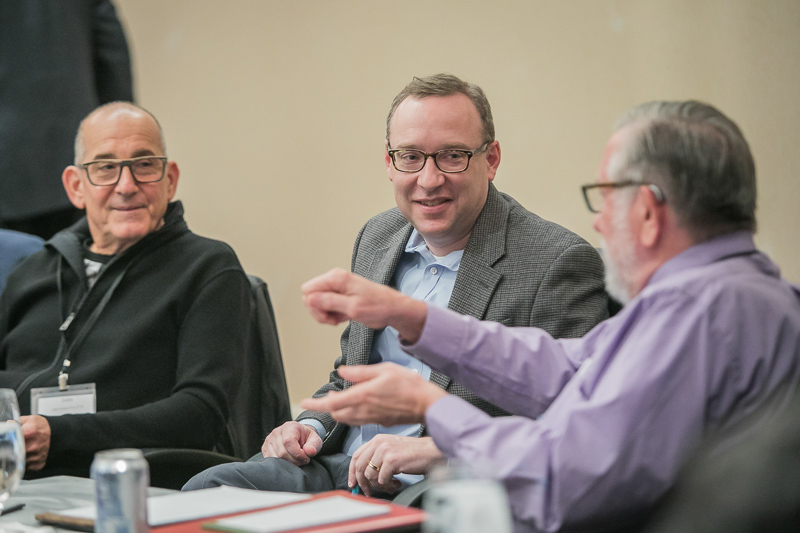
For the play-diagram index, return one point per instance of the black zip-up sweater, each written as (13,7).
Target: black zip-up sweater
(165,353)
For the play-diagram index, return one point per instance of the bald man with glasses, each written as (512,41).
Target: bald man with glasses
(127,329)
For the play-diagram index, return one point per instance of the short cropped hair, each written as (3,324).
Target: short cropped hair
(700,160)
(446,85)
(80,148)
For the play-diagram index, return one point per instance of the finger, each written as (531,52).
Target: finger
(331,304)
(361,373)
(332,280)
(313,443)
(327,403)
(325,317)
(363,482)
(294,450)
(352,478)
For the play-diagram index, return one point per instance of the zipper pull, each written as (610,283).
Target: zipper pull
(67,322)
(62,380)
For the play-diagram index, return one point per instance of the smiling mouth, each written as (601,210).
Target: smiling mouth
(432,203)
(128,207)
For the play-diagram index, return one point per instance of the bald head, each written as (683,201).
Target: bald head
(107,113)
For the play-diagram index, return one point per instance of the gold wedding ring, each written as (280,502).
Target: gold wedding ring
(374,467)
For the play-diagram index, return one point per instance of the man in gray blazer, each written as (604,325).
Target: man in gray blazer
(453,240)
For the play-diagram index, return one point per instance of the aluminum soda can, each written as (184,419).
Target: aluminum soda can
(121,479)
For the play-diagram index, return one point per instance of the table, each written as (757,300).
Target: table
(55,494)
(58,493)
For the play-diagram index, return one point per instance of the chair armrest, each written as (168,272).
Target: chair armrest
(171,468)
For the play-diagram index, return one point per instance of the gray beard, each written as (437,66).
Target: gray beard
(615,284)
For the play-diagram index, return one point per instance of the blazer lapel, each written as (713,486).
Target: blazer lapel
(381,270)
(477,279)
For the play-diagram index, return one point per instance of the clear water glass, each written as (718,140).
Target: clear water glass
(12,445)
(459,501)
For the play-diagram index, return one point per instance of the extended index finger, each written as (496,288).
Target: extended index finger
(332,280)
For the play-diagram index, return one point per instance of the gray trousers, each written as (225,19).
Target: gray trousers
(323,473)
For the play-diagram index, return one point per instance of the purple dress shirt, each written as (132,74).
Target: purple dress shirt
(606,421)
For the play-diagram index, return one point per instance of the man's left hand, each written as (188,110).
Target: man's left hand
(36,430)
(392,455)
(384,393)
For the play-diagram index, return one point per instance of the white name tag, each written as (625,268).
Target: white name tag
(76,400)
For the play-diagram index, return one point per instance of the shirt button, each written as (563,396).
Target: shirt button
(434,270)
(414,370)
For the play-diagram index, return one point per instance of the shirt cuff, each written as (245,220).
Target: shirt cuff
(316,424)
(443,330)
(446,418)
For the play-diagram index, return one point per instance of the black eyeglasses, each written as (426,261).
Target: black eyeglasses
(107,172)
(449,160)
(593,192)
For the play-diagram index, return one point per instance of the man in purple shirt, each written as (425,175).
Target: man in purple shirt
(710,334)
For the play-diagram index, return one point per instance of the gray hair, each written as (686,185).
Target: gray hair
(446,85)
(699,159)
(80,148)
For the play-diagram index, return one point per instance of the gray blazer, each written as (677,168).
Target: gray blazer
(517,269)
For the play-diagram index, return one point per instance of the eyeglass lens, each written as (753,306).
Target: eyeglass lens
(107,172)
(446,160)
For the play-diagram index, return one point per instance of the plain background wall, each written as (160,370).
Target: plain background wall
(275,110)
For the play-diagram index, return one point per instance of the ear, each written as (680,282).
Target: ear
(493,159)
(387,159)
(71,178)
(173,173)
(653,218)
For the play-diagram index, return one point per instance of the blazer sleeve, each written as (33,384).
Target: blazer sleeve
(571,299)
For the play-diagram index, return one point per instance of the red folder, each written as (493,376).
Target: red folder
(398,519)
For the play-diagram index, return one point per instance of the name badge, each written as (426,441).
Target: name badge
(75,400)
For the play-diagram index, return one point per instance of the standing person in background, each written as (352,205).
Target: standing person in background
(58,61)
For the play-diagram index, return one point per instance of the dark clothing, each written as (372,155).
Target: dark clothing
(46,225)
(58,61)
(749,486)
(164,354)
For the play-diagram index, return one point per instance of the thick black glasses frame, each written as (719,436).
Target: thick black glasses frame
(122,164)
(433,155)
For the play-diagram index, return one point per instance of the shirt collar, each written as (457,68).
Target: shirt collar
(713,250)
(416,244)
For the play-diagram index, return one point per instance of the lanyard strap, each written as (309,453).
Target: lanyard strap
(65,350)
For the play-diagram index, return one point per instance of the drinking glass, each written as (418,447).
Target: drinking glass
(12,445)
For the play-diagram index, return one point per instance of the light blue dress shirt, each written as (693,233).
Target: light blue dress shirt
(423,276)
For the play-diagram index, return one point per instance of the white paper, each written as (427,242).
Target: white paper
(313,513)
(183,506)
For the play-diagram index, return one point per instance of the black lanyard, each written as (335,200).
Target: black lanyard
(65,351)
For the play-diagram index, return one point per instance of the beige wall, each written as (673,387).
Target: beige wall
(275,112)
